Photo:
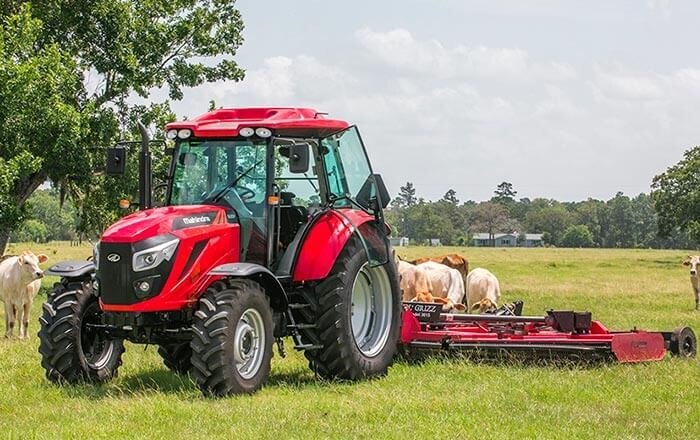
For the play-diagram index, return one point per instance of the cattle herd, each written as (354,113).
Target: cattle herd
(446,280)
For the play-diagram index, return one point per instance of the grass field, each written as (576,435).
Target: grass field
(435,399)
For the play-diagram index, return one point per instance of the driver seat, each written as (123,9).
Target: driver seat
(291,217)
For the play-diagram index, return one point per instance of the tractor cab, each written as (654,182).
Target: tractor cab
(274,177)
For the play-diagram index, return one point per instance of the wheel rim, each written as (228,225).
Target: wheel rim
(249,343)
(97,349)
(371,310)
(688,346)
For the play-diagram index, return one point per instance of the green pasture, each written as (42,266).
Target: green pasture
(437,398)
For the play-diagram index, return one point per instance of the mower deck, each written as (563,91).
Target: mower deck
(566,333)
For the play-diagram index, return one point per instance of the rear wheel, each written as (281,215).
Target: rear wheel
(72,347)
(683,342)
(357,316)
(176,357)
(232,338)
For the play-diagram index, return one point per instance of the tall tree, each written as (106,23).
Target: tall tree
(451,197)
(676,196)
(504,193)
(406,197)
(68,67)
(621,223)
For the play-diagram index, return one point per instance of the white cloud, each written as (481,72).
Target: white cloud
(662,7)
(470,116)
(398,49)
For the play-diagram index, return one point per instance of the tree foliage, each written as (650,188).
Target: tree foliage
(406,197)
(504,193)
(577,236)
(67,69)
(676,196)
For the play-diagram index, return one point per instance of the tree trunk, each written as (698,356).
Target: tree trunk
(4,239)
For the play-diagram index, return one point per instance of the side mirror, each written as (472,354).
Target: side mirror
(382,192)
(373,194)
(298,158)
(116,161)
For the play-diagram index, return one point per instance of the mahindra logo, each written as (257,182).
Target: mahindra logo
(194,220)
(113,258)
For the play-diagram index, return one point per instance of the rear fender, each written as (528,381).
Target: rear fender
(260,274)
(327,238)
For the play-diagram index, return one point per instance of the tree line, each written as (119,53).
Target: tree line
(620,222)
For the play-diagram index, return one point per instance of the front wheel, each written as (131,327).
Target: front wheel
(357,317)
(72,345)
(232,338)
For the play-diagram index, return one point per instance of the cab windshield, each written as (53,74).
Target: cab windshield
(230,170)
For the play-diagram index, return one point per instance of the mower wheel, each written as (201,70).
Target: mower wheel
(73,348)
(357,317)
(232,338)
(176,357)
(683,342)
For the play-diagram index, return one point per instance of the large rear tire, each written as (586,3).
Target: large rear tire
(176,357)
(71,349)
(357,315)
(232,338)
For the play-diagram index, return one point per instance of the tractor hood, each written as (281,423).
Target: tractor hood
(170,219)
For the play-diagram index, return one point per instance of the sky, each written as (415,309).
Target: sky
(564,99)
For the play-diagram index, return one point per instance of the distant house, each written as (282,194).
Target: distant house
(531,240)
(482,239)
(399,241)
(434,242)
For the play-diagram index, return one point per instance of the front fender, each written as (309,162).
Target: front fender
(324,241)
(260,274)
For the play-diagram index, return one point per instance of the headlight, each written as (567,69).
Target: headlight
(96,255)
(152,257)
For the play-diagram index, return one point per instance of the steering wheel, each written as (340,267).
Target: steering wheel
(245,193)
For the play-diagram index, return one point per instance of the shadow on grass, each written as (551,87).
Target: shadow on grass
(144,382)
(162,381)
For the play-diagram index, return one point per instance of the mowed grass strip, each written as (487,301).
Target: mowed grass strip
(436,398)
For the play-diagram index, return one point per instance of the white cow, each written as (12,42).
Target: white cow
(693,262)
(412,280)
(446,283)
(483,290)
(20,280)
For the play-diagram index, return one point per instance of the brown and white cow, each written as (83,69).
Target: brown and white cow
(483,290)
(20,280)
(455,261)
(694,261)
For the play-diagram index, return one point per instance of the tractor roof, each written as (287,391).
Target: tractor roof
(283,121)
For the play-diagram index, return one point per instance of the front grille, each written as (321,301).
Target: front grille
(117,279)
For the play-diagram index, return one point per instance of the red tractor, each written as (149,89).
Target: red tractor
(272,227)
